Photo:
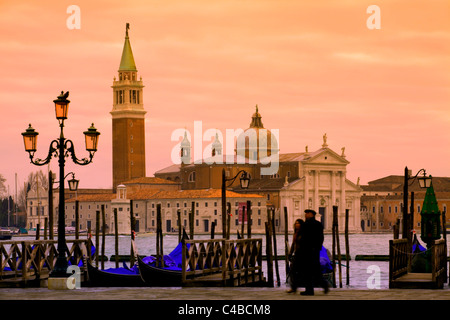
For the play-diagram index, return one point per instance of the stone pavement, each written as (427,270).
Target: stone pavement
(222,303)
(220,294)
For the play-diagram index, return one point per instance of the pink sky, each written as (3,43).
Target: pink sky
(313,67)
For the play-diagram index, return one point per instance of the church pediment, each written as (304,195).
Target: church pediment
(325,156)
(350,186)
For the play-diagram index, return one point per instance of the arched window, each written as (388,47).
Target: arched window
(192,177)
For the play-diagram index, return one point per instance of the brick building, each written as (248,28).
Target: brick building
(382,202)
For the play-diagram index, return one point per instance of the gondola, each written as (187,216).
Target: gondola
(326,267)
(114,277)
(167,276)
(159,277)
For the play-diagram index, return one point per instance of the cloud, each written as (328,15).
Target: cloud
(312,67)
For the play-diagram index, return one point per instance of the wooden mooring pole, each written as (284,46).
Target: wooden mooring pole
(77,219)
(133,235)
(159,237)
(274,234)
(179,224)
(249,219)
(347,247)
(97,235)
(444,236)
(336,236)
(243,222)
(50,204)
(191,221)
(116,238)
(269,250)
(45,228)
(103,235)
(38,230)
(286,242)
(213,229)
(269,256)
(228,221)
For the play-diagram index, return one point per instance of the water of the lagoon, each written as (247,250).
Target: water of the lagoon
(362,273)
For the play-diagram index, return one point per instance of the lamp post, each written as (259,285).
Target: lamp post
(61,148)
(424,182)
(431,217)
(245,181)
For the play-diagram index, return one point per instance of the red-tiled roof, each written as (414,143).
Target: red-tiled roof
(102,197)
(149,194)
(196,194)
(148,180)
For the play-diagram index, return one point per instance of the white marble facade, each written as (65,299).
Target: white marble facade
(322,185)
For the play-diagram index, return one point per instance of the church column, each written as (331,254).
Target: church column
(316,189)
(306,199)
(333,188)
(342,204)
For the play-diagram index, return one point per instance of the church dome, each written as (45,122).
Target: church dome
(256,142)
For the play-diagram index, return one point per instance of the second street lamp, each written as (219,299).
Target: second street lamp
(245,181)
(61,148)
(424,182)
(73,183)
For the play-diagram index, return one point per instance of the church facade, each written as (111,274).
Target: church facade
(305,180)
(321,185)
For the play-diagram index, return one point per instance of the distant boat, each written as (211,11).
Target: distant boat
(69,231)
(5,234)
(32,231)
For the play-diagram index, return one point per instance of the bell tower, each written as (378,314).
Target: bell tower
(128,120)
(185,152)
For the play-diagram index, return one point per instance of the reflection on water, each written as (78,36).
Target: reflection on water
(362,273)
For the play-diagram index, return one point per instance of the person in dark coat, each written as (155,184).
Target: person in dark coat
(294,257)
(311,241)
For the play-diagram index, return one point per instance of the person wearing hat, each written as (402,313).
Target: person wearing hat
(294,256)
(311,241)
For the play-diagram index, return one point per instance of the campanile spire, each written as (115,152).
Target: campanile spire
(127,61)
(128,119)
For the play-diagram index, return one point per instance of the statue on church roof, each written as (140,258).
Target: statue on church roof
(325,141)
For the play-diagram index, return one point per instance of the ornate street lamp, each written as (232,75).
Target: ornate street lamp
(245,181)
(73,183)
(61,148)
(424,182)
